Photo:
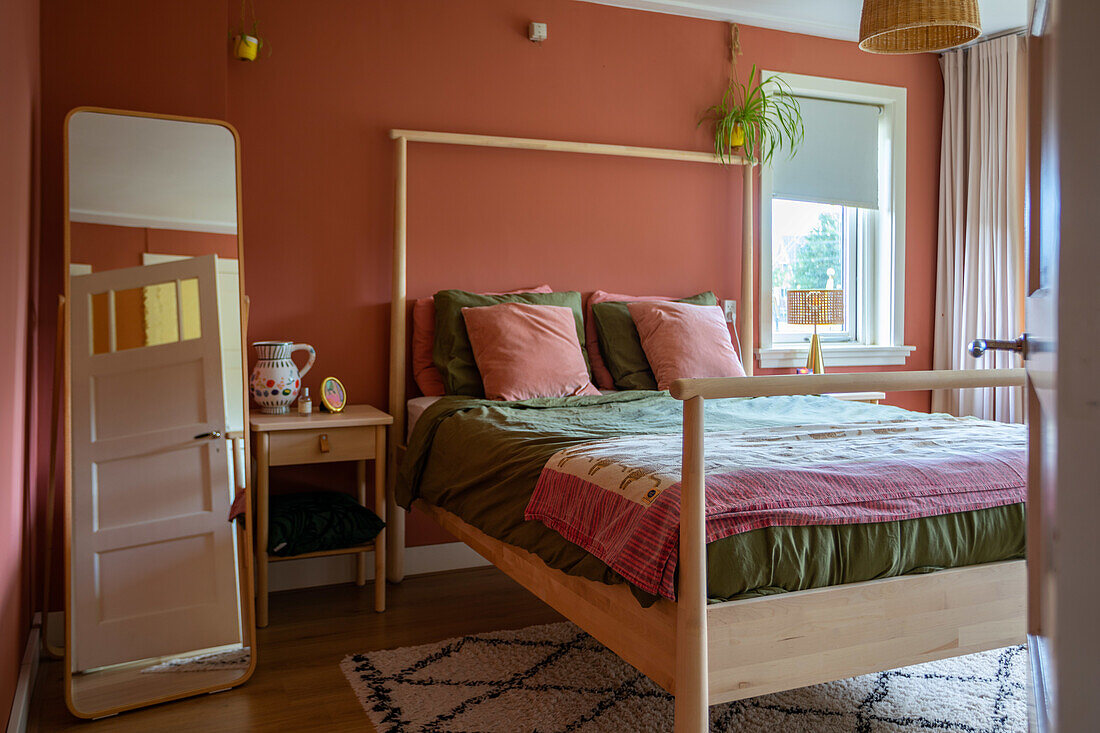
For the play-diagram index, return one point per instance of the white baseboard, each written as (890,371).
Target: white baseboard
(28,673)
(333,570)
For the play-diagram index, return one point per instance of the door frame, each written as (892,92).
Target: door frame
(1063,543)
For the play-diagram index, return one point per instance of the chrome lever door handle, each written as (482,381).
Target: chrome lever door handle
(212,435)
(978,347)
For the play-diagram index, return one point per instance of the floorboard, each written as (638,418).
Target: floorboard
(298,685)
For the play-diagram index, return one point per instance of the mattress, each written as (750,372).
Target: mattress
(413,410)
(415,407)
(481,461)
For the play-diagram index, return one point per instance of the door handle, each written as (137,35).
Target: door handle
(978,347)
(212,435)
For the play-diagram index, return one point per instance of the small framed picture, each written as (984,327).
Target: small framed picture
(333,396)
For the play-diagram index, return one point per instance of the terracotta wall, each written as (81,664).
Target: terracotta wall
(19,91)
(318,163)
(108,247)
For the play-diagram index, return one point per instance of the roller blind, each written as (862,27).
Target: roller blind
(838,161)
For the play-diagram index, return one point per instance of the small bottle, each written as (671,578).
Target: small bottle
(305,404)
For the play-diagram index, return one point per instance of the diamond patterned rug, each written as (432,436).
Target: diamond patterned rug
(557,678)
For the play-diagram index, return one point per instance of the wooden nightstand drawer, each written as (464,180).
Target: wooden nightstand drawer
(321,445)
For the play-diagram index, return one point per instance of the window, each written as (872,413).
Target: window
(833,218)
(814,246)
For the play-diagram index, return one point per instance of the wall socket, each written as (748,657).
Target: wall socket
(729,307)
(537,32)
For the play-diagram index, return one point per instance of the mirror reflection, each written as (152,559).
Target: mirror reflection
(158,580)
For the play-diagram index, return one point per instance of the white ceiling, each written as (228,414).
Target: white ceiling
(827,18)
(149,172)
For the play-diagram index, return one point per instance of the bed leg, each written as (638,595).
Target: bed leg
(395,527)
(692,685)
(395,543)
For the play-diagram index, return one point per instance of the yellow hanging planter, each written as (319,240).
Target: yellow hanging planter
(737,136)
(246,47)
(248,42)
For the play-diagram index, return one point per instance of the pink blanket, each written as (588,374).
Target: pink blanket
(620,499)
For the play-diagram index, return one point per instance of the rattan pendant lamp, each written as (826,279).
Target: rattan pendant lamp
(917,26)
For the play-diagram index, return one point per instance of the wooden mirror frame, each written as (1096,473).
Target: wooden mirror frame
(244,529)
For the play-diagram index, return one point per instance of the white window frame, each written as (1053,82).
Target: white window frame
(881,277)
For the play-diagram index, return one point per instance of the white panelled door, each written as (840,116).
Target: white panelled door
(154,561)
(229,311)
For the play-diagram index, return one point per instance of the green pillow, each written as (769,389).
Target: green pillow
(452,353)
(314,521)
(621,346)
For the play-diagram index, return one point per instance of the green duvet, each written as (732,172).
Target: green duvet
(480,460)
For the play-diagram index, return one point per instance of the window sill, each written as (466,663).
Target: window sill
(834,355)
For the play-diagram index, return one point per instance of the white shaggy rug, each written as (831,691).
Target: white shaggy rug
(557,678)
(232,659)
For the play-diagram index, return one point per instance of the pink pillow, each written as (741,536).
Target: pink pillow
(525,351)
(591,339)
(425,373)
(683,341)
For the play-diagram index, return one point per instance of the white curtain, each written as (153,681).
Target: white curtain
(981,265)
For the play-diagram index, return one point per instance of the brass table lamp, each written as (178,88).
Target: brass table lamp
(817,308)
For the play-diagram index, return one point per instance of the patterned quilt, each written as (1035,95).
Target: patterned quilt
(619,498)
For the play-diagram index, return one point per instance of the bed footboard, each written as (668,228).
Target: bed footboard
(695,664)
(763,645)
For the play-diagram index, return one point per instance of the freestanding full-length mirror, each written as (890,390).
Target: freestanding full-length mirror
(158,582)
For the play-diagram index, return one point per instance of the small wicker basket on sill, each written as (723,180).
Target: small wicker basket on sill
(917,26)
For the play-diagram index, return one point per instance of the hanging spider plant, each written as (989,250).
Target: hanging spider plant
(247,44)
(760,117)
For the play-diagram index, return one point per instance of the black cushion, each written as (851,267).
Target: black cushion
(316,521)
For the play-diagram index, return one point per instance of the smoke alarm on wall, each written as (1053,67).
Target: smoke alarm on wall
(537,32)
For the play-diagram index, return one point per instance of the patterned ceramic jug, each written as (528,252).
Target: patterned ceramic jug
(275,378)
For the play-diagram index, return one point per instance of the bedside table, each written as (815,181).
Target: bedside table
(871,397)
(356,434)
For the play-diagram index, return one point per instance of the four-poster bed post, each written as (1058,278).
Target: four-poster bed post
(395,527)
(746,335)
(703,653)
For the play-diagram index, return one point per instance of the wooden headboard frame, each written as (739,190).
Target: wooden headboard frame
(395,530)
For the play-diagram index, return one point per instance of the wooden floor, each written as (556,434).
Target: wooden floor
(298,685)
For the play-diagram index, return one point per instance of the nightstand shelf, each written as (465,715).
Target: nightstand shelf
(871,397)
(355,550)
(356,434)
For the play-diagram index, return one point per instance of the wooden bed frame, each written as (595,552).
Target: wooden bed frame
(707,654)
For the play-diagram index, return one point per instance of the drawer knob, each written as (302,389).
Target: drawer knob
(324,443)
